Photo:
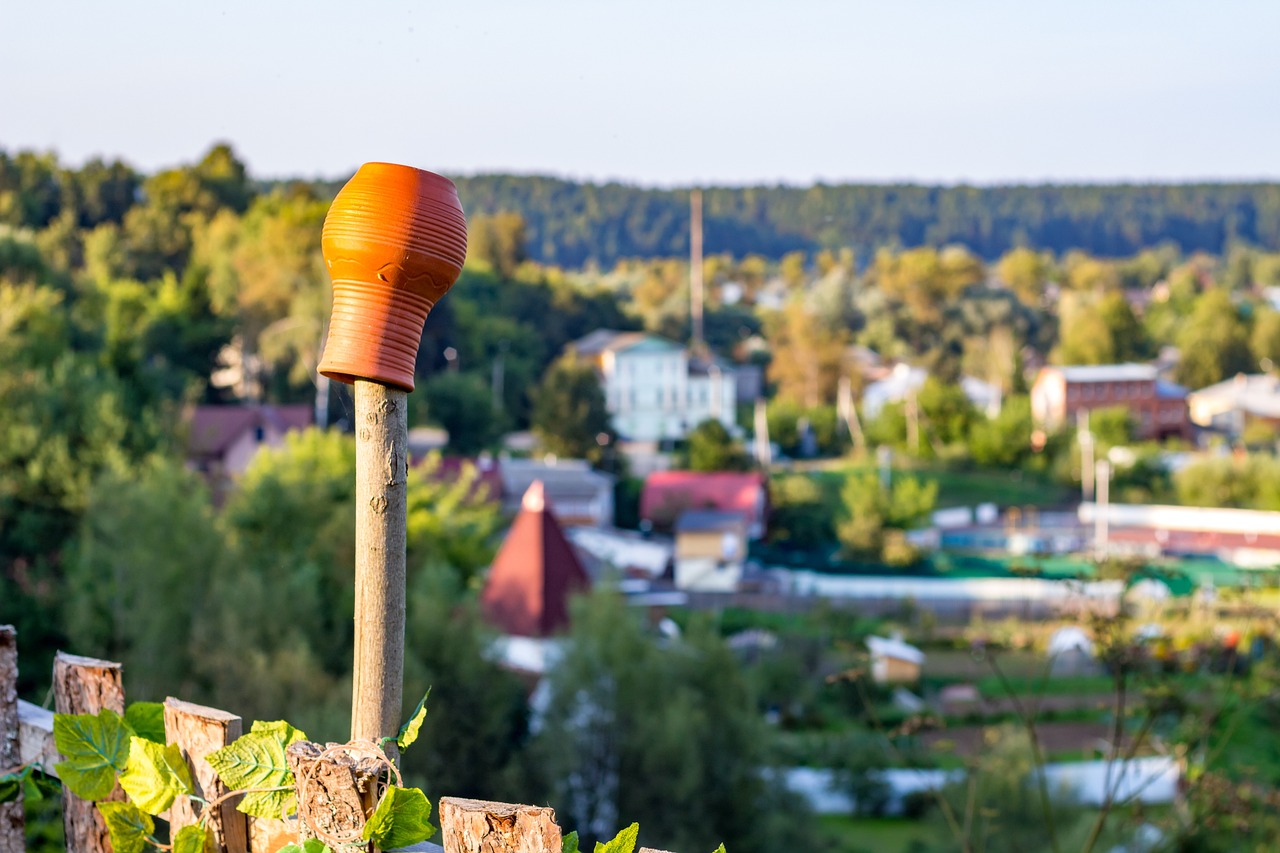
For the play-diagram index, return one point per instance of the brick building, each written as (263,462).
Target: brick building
(1158,407)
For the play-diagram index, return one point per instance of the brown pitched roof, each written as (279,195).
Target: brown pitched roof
(536,570)
(215,428)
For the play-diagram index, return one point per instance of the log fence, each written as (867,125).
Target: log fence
(87,685)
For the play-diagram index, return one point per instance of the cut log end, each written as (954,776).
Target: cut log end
(480,826)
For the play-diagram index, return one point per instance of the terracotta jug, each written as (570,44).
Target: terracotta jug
(394,242)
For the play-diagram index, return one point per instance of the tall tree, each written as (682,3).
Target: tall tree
(807,355)
(569,413)
(1214,342)
(687,761)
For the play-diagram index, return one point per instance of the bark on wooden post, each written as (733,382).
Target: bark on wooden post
(337,791)
(85,686)
(382,471)
(198,731)
(478,826)
(12,827)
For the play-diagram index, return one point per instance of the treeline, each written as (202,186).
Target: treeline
(571,224)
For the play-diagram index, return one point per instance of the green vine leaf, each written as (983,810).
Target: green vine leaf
(154,775)
(190,839)
(409,731)
(95,748)
(127,825)
(623,842)
(257,760)
(720,849)
(147,720)
(10,786)
(311,845)
(569,844)
(41,785)
(400,819)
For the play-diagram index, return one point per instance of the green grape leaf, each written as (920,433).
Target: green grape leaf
(10,787)
(409,731)
(95,749)
(147,720)
(257,760)
(279,729)
(623,842)
(127,825)
(400,819)
(41,785)
(720,849)
(311,845)
(190,839)
(569,844)
(154,775)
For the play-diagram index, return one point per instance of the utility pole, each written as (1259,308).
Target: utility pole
(847,412)
(1102,510)
(764,452)
(1085,438)
(695,267)
(913,422)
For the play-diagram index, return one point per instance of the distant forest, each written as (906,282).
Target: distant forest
(571,224)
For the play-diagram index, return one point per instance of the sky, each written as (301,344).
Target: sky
(656,92)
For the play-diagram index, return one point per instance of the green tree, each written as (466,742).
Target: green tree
(688,762)
(1214,342)
(1025,272)
(569,414)
(133,588)
(1099,330)
(498,241)
(462,404)
(1264,342)
(712,448)
(802,514)
(808,354)
(1005,440)
(474,740)
(874,518)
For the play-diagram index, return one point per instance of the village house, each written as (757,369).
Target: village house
(668,494)
(222,440)
(1158,407)
(711,548)
(894,661)
(654,389)
(905,380)
(581,496)
(1233,404)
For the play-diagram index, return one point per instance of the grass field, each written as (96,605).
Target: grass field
(964,488)
(870,835)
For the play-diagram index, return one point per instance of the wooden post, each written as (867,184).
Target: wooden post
(198,731)
(12,825)
(382,471)
(86,686)
(477,826)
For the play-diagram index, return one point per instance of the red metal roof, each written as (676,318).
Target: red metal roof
(667,493)
(536,570)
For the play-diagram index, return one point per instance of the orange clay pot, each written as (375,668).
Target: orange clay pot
(394,242)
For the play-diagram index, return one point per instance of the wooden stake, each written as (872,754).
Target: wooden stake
(382,471)
(86,686)
(477,826)
(198,731)
(12,826)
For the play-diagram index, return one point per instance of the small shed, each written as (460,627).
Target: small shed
(894,661)
(711,547)
(1071,652)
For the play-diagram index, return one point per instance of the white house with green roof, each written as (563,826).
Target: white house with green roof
(654,389)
